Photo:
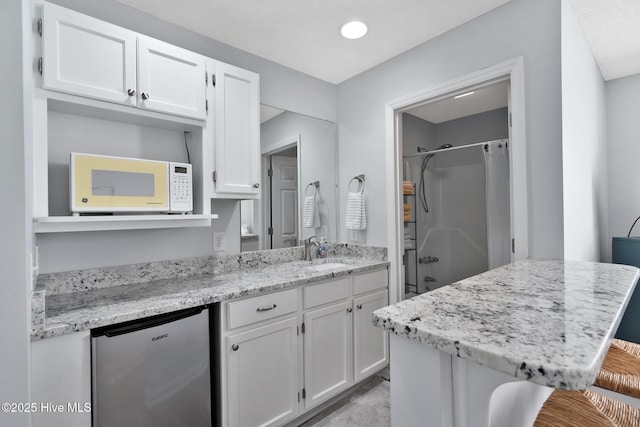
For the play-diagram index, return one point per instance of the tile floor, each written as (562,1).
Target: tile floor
(369,406)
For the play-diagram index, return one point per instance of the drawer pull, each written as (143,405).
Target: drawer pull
(349,310)
(271,307)
(359,306)
(235,347)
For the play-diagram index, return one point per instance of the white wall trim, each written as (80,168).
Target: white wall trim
(512,69)
(263,205)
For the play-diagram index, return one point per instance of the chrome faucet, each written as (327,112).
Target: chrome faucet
(307,247)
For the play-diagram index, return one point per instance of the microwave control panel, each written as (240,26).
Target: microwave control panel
(180,187)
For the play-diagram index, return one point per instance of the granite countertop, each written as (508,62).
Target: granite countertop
(74,301)
(545,321)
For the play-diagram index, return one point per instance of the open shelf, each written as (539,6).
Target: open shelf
(66,224)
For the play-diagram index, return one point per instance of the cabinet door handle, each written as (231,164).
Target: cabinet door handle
(145,95)
(256,185)
(270,307)
(131,92)
(235,347)
(349,310)
(359,306)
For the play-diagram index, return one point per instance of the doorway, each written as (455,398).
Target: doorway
(511,71)
(281,192)
(455,173)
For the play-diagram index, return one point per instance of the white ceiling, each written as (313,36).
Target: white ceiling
(483,99)
(612,28)
(304,35)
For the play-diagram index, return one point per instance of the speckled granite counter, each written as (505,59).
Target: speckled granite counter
(67,302)
(548,322)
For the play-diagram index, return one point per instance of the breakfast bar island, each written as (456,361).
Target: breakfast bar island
(488,350)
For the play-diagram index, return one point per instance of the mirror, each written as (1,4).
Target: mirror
(298,157)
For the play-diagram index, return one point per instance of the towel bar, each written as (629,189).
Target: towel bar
(314,184)
(360,179)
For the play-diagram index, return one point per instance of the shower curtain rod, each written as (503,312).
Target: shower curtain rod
(475,144)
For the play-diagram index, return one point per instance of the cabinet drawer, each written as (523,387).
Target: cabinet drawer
(371,281)
(257,309)
(327,292)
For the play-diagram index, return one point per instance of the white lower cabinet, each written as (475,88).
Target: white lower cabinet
(328,367)
(262,374)
(280,359)
(61,375)
(371,347)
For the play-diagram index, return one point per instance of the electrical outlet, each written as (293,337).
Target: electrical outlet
(218,241)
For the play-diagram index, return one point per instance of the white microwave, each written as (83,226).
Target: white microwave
(107,184)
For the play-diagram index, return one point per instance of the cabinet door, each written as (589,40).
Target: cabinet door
(328,363)
(61,374)
(262,375)
(88,57)
(237,131)
(171,80)
(371,347)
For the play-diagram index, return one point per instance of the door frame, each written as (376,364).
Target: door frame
(264,204)
(513,70)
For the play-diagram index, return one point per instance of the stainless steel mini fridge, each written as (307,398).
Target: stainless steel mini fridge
(154,372)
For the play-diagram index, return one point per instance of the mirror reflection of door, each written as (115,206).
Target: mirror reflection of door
(284,199)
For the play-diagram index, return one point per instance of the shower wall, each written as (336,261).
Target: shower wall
(455,229)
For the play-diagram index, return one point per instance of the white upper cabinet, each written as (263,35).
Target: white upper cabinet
(171,79)
(88,57)
(92,58)
(237,132)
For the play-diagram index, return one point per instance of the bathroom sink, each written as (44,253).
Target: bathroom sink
(327,266)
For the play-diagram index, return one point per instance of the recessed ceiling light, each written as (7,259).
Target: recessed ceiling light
(353,30)
(464,94)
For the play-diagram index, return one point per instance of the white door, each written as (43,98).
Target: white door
(237,131)
(262,375)
(371,349)
(171,80)
(88,57)
(328,357)
(284,201)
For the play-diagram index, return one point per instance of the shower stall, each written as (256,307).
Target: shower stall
(457,221)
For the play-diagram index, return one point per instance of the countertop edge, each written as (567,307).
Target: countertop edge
(188,299)
(570,378)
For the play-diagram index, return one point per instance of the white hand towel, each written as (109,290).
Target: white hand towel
(356,213)
(311,213)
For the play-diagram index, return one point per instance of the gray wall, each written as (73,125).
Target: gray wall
(486,126)
(528,28)
(416,132)
(15,249)
(623,128)
(584,146)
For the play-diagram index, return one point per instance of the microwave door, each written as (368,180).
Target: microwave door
(104,184)
(121,183)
